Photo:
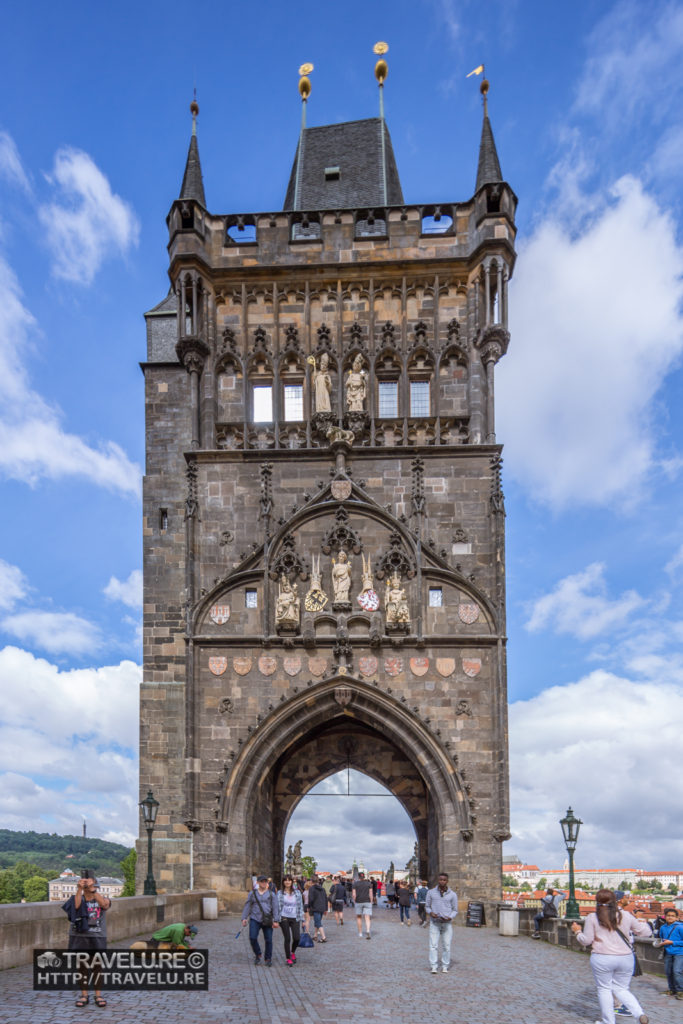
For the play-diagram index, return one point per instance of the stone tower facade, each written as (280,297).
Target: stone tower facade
(324,559)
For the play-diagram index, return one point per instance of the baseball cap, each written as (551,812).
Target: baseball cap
(262,878)
(193,930)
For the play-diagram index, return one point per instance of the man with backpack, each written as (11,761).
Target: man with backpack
(549,908)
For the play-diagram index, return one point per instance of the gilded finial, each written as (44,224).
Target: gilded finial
(381,67)
(304,81)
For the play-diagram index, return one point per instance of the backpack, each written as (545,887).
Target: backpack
(549,908)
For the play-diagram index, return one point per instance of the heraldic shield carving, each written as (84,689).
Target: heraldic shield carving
(419,666)
(292,666)
(471,666)
(316,666)
(445,666)
(241,665)
(219,613)
(468,613)
(218,665)
(267,664)
(343,695)
(368,664)
(393,666)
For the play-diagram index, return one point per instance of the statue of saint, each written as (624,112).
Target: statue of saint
(322,384)
(396,603)
(341,578)
(287,608)
(356,386)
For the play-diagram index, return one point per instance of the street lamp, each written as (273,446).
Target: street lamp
(570,831)
(149,806)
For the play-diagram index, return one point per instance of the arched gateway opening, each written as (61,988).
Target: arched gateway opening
(342,722)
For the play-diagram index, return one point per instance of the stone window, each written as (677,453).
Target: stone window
(163,519)
(251,599)
(262,403)
(294,401)
(435,597)
(419,398)
(387,391)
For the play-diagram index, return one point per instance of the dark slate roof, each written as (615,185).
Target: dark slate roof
(355,147)
(488,170)
(166,306)
(193,183)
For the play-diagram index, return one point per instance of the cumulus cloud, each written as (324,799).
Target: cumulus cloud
(606,745)
(13,585)
(336,829)
(128,591)
(579,605)
(55,632)
(11,167)
(87,220)
(79,730)
(597,325)
(33,443)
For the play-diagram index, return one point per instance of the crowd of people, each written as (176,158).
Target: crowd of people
(300,907)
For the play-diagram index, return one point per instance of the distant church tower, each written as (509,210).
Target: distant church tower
(324,556)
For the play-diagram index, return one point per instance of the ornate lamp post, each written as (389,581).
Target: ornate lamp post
(149,806)
(570,831)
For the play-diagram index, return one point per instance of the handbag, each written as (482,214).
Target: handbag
(305,942)
(266,918)
(637,969)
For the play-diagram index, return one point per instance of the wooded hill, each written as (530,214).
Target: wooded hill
(51,852)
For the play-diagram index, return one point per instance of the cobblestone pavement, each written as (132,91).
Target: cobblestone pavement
(492,978)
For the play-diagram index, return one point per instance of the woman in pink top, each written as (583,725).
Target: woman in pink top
(608,932)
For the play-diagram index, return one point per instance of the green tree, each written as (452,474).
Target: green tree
(672,888)
(525,887)
(556,883)
(308,866)
(11,888)
(36,889)
(656,885)
(643,884)
(509,881)
(542,883)
(128,867)
(624,886)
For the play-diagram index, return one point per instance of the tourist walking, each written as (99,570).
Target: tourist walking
(442,906)
(403,902)
(421,899)
(337,899)
(291,915)
(606,930)
(317,906)
(262,911)
(671,938)
(390,893)
(362,897)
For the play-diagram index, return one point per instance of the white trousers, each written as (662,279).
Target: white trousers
(440,930)
(613,974)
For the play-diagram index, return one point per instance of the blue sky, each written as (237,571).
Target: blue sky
(585,104)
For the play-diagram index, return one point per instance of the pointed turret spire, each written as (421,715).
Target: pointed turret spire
(193,183)
(488,170)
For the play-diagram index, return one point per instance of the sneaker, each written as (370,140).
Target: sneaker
(289,961)
(679,995)
(623,1012)
(257,960)
(444,970)
(433,970)
(409,923)
(267,963)
(293,958)
(360,935)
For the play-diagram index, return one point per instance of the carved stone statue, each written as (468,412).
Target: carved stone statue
(297,866)
(341,578)
(289,860)
(288,605)
(356,386)
(322,384)
(396,603)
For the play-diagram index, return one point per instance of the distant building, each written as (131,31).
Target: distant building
(64,886)
(608,878)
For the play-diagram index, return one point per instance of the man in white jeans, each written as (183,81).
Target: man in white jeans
(442,907)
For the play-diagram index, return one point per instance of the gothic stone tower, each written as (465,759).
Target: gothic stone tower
(324,556)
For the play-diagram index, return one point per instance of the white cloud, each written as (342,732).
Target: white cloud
(77,728)
(33,444)
(579,605)
(334,830)
(56,632)
(13,585)
(11,167)
(87,221)
(675,563)
(605,745)
(596,326)
(128,591)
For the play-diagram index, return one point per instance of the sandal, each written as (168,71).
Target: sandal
(99,1001)
(82,1001)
